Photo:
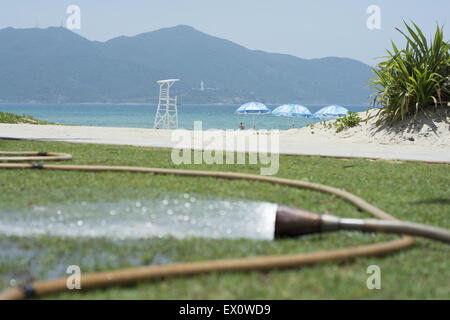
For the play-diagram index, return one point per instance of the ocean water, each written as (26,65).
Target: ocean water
(142,115)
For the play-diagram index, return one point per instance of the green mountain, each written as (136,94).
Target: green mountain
(57,65)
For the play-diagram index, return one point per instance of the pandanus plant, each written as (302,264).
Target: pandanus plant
(411,80)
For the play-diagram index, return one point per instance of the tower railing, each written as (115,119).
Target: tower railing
(167,112)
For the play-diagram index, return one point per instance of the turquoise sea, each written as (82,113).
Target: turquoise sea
(142,115)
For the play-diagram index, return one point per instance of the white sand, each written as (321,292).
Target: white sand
(431,139)
(432,130)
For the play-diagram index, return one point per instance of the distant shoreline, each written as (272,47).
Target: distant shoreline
(217,116)
(155,103)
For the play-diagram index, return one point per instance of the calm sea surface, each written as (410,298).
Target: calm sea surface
(142,115)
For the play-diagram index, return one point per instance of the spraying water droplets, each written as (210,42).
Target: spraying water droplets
(180,216)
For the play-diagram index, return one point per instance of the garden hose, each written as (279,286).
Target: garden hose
(287,218)
(296,222)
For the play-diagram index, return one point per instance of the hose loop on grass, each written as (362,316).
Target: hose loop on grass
(25,156)
(133,275)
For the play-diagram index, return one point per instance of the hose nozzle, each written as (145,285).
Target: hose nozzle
(295,222)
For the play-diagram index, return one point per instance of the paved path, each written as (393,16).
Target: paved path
(290,143)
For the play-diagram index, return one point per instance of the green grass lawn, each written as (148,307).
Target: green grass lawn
(407,190)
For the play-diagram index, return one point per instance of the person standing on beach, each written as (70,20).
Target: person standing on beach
(241,126)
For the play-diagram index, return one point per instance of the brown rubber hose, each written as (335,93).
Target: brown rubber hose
(12,156)
(128,276)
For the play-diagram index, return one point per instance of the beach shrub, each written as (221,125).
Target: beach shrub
(6,117)
(411,80)
(350,120)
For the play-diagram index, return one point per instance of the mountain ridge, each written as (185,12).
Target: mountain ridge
(57,65)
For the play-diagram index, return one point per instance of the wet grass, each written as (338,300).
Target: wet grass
(410,191)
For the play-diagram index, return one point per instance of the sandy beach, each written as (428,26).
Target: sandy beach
(425,141)
(431,130)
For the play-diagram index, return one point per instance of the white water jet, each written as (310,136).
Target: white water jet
(180,218)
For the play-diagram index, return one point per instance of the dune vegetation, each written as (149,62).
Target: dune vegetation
(6,117)
(414,79)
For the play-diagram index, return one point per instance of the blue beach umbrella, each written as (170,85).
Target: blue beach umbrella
(331,112)
(292,110)
(253,108)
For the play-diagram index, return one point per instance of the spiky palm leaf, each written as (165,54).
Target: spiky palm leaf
(410,80)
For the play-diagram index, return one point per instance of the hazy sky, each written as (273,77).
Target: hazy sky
(307,29)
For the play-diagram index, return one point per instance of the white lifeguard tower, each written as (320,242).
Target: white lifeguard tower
(167,112)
